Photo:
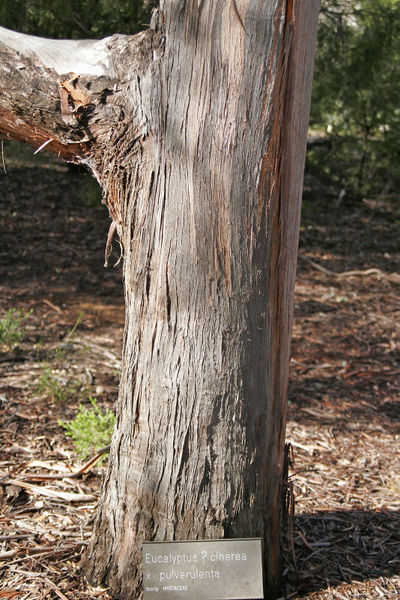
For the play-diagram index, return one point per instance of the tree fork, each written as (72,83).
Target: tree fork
(196,130)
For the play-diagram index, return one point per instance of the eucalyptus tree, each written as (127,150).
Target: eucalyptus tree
(196,131)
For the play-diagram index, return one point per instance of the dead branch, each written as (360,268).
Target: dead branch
(44,491)
(393,277)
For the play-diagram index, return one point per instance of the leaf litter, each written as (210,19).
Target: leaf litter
(343,414)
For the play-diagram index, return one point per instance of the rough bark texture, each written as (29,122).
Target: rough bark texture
(196,130)
(210,245)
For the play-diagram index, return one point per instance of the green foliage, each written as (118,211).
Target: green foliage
(356,94)
(12,330)
(57,387)
(74,18)
(91,429)
(56,383)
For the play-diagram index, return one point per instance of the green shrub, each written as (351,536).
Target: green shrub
(57,387)
(56,383)
(91,429)
(12,330)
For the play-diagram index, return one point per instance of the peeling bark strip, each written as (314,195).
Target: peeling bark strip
(80,96)
(196,130)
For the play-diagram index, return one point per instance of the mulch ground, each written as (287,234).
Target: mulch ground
(344,405)
(344,408)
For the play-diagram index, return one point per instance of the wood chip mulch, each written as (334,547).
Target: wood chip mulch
(344,406)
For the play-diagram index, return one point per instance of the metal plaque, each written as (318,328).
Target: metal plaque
(203,570)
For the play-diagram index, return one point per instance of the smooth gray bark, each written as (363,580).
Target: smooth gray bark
(196,130)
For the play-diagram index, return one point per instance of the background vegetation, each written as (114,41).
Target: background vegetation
(355,106)
(75,18)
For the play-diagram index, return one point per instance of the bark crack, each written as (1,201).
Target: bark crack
(168,296)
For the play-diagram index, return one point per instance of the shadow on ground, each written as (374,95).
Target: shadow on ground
(343,546)
(345,349)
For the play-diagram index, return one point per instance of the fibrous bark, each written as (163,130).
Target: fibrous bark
(196,130)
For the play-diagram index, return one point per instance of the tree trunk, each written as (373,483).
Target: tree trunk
(196,129)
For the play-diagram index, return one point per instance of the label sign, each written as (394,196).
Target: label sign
(203,570)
